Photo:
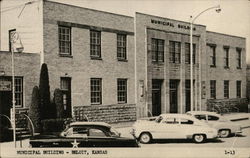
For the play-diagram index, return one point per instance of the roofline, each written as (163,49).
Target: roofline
(106,12)
(169,19)
(226,34)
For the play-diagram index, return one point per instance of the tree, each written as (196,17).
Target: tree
(44,91)
(58,100)
(34,110)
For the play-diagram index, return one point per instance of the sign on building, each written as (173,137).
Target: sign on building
(5,85)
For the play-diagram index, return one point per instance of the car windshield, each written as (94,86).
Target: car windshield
(158,119)
(114,132)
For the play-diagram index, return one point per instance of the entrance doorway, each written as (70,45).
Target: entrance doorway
(156,97)
(187,95)
(173,96)
(66,90)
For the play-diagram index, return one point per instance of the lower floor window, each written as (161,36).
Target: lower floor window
(122,90)
(96,90)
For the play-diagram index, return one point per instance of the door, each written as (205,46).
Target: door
(187,95)
(156,97)
(66,90)
(173,96)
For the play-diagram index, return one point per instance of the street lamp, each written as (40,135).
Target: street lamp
(217,9)
(14,37)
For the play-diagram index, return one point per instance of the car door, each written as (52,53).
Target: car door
(168,128)
(186,128)
(99,137)
(75,136)
(212,120)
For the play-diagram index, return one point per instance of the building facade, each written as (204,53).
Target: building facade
(116,68)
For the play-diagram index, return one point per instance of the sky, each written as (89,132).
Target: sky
(234,18)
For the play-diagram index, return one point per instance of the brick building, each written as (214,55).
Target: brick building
(115,68)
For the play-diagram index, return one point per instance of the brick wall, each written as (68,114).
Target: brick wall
(106,113)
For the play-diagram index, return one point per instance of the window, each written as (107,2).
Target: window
(213,89)
(187,53)
(19,91)
(238,58)
(186,121)
(95,44)
(157,50)
(96,90)
(212,52)
(171,121)
(65,83)
(175,51)
(93,132)
(121,47)
(201,117)
(226,57)
(212,118)
(238,89)
(78,132)
(64,40)
(122,90)
(226,89)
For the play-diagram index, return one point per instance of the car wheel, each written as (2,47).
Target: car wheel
(199,138)
(145,138)
(224,133)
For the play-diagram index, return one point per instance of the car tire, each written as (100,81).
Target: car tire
(199,138)
(224,133)
(145,138)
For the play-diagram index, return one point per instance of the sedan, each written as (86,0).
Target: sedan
(223,125)
(84,134)
(173,126)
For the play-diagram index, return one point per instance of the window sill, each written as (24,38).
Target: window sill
(65,55)
(95,58)
(213,66)
(96,104)
(239,68)
(158,62)
(122,103)
(122,60)
(226,67)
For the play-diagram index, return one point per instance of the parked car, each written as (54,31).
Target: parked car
(172,126)
(84,134)
(223,125)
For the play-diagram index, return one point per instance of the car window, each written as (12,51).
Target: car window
(76,132)
(200,117)
(212,118)
(186,121)
(94,132)
(113,132)
(170,121)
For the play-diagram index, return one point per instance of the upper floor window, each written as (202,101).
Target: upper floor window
(96,90)
(64,40)
(95,44)
(175,51)
(226,89)
(226,57)
(122,90)
(213,89)
(212,52)
(238,57)
(238,89)
(121,47)
(187,53)
(157,50)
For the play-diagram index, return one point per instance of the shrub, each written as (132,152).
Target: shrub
(34,110)
(58,101)
(44,91)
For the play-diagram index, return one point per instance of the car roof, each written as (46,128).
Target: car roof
(177,116)
(90,123)
(203,112)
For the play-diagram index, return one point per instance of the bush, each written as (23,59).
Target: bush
(44,91)
(34,110)
(54,125)
(58,101)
